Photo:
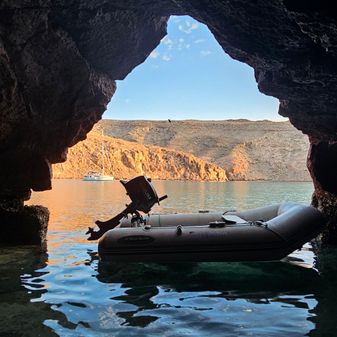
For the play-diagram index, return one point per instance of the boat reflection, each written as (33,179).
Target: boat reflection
(231,277)
(257,283)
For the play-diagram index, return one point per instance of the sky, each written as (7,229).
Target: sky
(189,76)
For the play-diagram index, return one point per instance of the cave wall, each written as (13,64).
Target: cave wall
(59,61)
(58,66)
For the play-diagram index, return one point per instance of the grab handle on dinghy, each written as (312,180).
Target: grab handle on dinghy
(143,196)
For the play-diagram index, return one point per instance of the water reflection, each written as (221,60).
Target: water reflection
(243,278)
(155,289)
(74,294)
(192,196)
(140,298)
(325,313)
(21,283)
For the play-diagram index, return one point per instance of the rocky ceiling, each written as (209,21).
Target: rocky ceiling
(59,60)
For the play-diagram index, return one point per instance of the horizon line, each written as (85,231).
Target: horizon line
(198,120)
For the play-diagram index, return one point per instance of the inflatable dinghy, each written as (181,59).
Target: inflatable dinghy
(261,234)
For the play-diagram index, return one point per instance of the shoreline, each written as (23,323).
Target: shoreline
(198,181)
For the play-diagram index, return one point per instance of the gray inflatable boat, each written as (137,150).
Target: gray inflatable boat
(261,234)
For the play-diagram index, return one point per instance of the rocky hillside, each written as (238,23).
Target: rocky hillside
(247,150)
(124,159)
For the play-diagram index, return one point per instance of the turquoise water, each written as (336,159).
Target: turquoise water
(70,292)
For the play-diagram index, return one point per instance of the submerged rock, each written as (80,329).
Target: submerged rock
(27,226)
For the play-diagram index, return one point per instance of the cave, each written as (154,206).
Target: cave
(59,61)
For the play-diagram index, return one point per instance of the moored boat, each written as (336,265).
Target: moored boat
(96,176)
(261,234)
(99,176)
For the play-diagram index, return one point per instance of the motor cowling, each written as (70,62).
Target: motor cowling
(142,193)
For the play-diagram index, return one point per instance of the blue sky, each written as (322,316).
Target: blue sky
(189,76)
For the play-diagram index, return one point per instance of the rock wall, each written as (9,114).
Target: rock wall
(247,150)
(59,60)
(124,160)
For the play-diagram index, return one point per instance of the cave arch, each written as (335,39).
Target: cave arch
(189,76)
(59,61)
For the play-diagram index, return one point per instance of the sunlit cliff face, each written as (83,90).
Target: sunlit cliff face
(59,61)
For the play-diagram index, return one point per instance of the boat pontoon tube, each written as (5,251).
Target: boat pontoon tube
(262,234)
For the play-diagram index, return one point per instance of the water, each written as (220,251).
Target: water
(69,292)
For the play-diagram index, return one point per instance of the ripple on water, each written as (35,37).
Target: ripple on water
(222,298)
(74,294)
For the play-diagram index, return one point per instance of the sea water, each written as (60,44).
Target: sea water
(69,292)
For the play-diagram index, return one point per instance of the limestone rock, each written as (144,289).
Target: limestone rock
(247,150)
(124,160)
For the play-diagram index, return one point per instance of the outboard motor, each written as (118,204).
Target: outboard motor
(143,196)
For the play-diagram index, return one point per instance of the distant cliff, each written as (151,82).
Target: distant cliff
(192,150)
(124,159)
(247,150)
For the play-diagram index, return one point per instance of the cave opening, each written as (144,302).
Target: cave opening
(292,59)
(189,76)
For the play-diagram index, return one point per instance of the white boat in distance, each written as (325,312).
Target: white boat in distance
(96,176)
(99,176)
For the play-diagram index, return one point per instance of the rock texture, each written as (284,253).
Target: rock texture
(34,230)
(124,160)
(247,150)
(59,60)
